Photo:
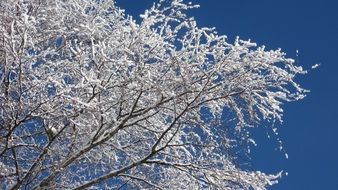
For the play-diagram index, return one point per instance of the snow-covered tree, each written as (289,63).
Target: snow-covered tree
(90,98)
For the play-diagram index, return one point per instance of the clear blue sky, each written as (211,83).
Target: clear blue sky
(310,128)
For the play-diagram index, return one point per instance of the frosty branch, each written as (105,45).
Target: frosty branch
(91,99)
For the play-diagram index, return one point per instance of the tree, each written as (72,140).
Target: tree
(91,99)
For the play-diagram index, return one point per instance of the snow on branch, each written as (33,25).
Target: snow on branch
(89,98)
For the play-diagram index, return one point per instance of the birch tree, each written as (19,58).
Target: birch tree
(89,98)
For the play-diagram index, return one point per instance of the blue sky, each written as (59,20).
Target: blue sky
(310,127)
